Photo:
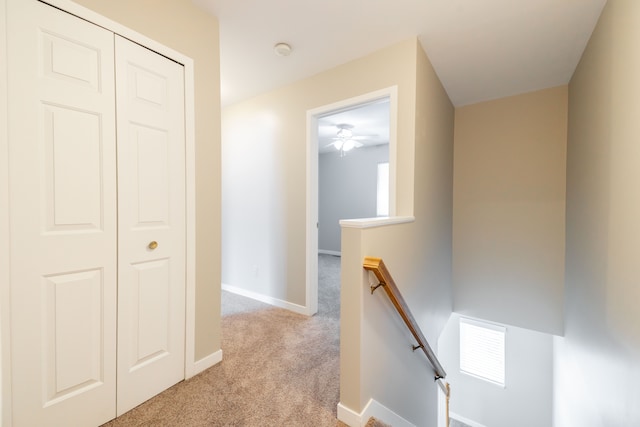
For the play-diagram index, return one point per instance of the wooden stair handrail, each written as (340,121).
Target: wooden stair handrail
(386,281)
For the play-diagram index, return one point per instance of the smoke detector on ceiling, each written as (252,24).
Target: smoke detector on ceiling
(282,49)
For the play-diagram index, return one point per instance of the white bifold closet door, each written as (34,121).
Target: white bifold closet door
(97,312)
(151,223)
(62,165)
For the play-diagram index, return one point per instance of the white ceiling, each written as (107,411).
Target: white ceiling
(481,49)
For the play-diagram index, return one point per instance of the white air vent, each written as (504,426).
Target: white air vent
(482,350)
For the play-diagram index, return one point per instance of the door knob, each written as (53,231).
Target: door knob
(153,245)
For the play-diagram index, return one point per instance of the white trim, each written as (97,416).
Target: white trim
(487,324)
(393,149)
(442,409)
(5,264)
(348,416)
(115,27)
(377,410)
(462,419)
(91,16)
(372,409)
(296,308)
(311,280)
(375,222)
(190,182)
(326,252)
(207,362)
(311,274)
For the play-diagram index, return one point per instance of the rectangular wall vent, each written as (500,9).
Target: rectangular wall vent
(482,350)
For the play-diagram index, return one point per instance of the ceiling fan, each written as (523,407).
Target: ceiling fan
(345,140)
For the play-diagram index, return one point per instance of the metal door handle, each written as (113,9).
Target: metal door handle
(153,245)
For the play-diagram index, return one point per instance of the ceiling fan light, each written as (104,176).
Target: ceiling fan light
(344,134)
(348,145)
(338,144)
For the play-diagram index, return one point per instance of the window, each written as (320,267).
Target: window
(482,351)
(383,189)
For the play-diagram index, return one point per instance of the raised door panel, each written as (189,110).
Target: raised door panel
(63,217)
(151,233)
(72,346)
(150,304)
(73,169)
(152,178)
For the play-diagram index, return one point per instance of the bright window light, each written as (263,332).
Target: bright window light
(383,189)
(482,350)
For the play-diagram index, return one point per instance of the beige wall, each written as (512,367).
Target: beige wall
(374,341)
(598,362)
(264,169)
(509,210)
(264,202)
(185,28)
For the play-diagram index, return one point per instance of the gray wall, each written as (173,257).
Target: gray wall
(347,190)
(598,361)
(525,401)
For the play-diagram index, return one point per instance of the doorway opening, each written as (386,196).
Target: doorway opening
(346,143)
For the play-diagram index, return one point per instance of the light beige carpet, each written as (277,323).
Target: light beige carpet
(279,369)
(375,423)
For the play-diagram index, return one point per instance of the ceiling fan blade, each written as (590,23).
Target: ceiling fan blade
(336,145)
(357,137)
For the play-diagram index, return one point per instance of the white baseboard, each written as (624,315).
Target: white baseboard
(300,309)
(372,409)
(464,420)
(348,416)
(207,362)
(327,252)
(381,412)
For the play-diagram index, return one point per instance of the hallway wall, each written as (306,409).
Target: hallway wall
(509,210)
(264,158)
(597,367)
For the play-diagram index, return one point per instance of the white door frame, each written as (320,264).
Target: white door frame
(312,177)
(191,367)
(5,302)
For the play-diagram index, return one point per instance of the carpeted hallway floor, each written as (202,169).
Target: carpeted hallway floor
(279,368)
